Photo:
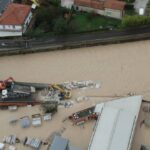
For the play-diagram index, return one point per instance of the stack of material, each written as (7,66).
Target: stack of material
(2,146)
(12,148)
(11,139)
(143,147)
(36,120)
(67,104)
(47,117)
(59,143)
(25,122)
(49,107)
(82,116)
(12,108)
(53,96)
(34,143)
(50,95)
(81,84)
(13,121)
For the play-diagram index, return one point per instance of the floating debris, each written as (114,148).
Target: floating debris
(82,98)
(146,108)
(34,143)
(47,117)
(12,108)
(83,116)
(15,94)
(82,84)
(143,147)
(2,146)
(13,121)
(11,139)
(25,122)
(50,95)
(66,104)
(49,107)
(11,148)
(36,120)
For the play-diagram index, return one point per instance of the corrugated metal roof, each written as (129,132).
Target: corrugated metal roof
(73,148)
(104,129)
(99,108)
(115,127)
(131,104)
(59,143)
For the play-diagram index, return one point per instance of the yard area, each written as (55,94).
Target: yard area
(89,22)
(52,20)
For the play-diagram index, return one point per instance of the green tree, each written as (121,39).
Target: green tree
(45,17)
(60,26)
(55,2)
(17,1)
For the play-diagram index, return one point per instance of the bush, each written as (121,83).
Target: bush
(45,17)
(17,1)
(129,1)
(136,20)
(55,2)
(60,26)
(34,33)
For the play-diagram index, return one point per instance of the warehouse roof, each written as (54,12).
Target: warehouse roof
(59,143)
(117,121)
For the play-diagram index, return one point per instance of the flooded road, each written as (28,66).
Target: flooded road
(122,68)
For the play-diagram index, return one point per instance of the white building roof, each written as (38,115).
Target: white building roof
(115,127)
(2,146)
(98,108)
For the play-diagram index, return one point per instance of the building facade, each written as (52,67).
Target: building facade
(110,8)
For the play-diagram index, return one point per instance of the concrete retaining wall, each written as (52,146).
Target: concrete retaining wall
(70,45)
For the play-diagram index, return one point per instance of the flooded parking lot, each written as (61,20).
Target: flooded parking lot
(121,68)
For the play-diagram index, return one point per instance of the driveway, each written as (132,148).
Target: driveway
(67,3)
(140,4)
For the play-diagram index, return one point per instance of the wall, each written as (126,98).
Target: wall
(8,33)
(10,30)
(10,27)
(106,12)
(67,3)
(87,9)
(27,22)
(113,13)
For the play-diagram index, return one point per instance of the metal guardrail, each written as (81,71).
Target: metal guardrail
(21,46)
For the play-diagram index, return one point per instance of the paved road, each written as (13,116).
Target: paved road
(56,40)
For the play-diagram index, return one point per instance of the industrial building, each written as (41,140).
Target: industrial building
(60,143)
(115,127)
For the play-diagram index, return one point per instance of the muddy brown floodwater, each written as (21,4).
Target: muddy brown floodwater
(121,68)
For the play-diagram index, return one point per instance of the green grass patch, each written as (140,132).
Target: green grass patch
(130,12)
(148,4)
(89,22)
